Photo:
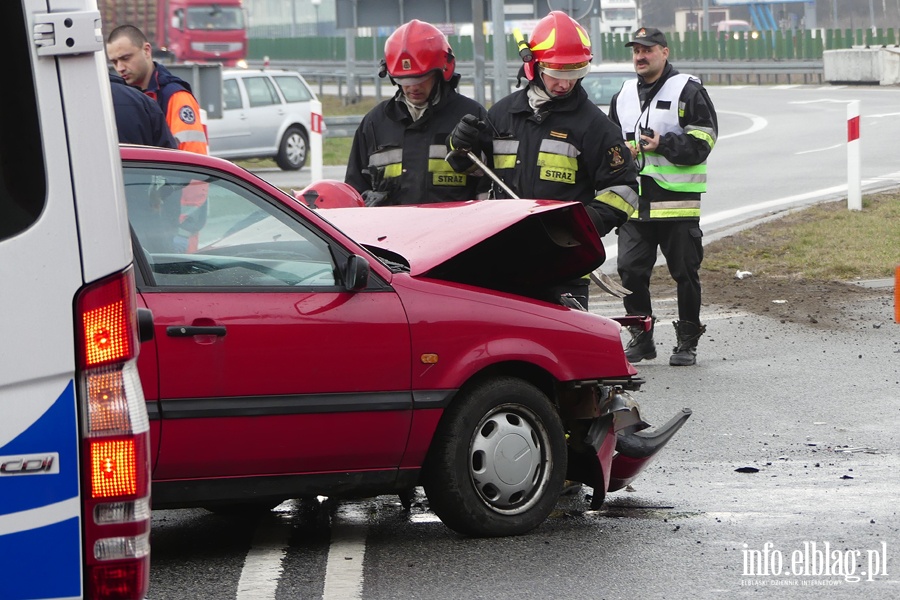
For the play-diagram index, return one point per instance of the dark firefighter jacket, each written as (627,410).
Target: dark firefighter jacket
(391,153)
(568,150)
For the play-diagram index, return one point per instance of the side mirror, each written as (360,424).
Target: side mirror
(145,324)
(356,273)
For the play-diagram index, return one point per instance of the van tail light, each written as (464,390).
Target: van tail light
(115,442)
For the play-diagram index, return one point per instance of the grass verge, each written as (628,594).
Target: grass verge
(826,242)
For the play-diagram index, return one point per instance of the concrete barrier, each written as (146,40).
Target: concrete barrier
(872,66)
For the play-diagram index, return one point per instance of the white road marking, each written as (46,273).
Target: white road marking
(819,149)
(262,567)
(821,101)
(757,123)
(344,567)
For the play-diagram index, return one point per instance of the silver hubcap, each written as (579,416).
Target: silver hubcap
(296,149)
(508,460)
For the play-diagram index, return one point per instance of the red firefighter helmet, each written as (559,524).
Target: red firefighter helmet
(416,49)
(329,193)
(560,47)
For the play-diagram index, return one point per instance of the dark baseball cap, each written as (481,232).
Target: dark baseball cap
(648,36)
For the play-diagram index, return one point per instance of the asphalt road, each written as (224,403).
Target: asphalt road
(783,484)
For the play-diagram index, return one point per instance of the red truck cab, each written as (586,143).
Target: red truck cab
(203,31)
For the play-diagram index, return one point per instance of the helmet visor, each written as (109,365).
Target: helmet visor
(407,81)
(569,71)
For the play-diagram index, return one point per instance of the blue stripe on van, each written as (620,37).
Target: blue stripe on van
(55,431)
(46,559)
(42,563)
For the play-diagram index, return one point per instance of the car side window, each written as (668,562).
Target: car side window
(231,95)
(244,240)
(261,91)
(292,88)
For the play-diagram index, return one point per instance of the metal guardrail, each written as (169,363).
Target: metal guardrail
(320,74)
(341,126)
(713,72)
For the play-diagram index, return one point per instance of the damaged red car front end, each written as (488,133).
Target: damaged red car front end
(522,247)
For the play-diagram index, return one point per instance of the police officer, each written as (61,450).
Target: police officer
(398,152)
(139,120)
(671,126)
(550,141)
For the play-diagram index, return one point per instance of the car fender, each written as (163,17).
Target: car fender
(459,331)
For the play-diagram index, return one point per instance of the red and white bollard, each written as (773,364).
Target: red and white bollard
(315,139)
(854,184)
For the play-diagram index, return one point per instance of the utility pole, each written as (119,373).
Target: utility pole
(478,48)
(501,80)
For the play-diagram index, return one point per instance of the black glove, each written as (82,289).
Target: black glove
(597,220)
(373,198)
(465,136)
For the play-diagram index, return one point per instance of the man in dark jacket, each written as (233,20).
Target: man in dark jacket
(398,153)
(139,119)
(671,126)
(551,142)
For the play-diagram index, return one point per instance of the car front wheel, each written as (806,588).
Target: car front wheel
(293,149)
(497,462)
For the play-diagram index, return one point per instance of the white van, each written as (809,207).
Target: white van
(74,472)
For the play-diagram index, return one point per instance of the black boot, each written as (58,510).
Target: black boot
(685,353)
(641,345)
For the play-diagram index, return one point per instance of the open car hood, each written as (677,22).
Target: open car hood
(509,245)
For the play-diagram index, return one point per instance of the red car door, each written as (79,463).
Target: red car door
(266,364)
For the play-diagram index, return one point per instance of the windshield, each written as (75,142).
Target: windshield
(215,17)
(601,87)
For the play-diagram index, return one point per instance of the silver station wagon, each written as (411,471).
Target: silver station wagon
(266,114)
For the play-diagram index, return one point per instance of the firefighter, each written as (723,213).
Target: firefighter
(671,126)
(131,56)
(398,153)
(550,141)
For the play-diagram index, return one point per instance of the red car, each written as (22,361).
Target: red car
(284,358)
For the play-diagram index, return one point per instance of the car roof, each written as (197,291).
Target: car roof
(613,67)
(233,72)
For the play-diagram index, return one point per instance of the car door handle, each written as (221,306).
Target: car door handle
(192,330)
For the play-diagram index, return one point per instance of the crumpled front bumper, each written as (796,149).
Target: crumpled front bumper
(616,447)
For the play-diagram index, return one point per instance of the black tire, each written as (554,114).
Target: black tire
(472,491)
(293,149)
